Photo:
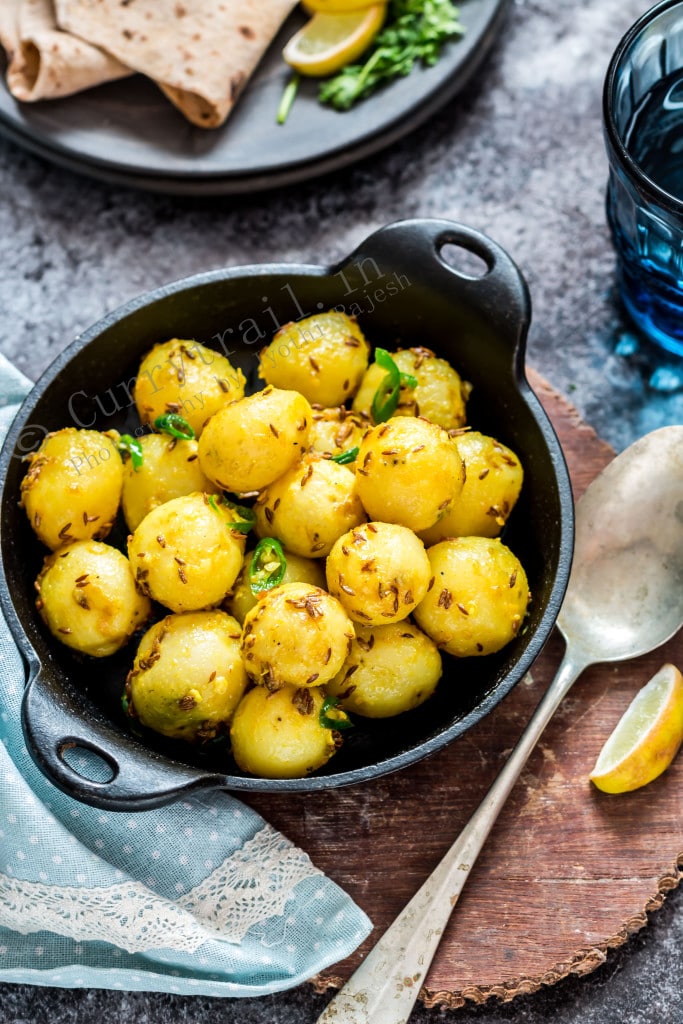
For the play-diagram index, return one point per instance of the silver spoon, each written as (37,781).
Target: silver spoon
(625,598)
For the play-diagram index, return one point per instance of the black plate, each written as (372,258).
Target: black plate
(403,292)
(127,132)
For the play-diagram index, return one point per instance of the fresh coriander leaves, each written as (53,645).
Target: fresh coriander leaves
(415,32)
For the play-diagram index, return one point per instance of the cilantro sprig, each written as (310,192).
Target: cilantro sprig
(414,33)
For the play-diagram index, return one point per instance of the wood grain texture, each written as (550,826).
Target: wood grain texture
(567,872)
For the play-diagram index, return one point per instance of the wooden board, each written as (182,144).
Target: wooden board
(567,872)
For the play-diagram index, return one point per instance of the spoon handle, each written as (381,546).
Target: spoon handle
(383,990)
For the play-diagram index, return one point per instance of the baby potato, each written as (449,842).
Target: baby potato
(170,469)
(279,735)
(336,430)
(240,600)
(479,597)
(73,486)
(323,357)
(188,676)
(250,443)
(391,669)
(88,600)
(184,553)
(408,471)
(186,378)
(310,506)
(493,480)
(296,634)
(379,572)
(440,396)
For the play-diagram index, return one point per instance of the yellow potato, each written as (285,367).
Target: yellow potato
(240,600)
(323,357)
(391,669)
(295,634)
(188,676)
(73,486)
(479,597)
(184,553)
(336,430)
(279,735)
(186,378)
(88,600)
(493,480)
(170,468)
(379,572)
(408,471)
(252,442)
(310,506)
(440,396)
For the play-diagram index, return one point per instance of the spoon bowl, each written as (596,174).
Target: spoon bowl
(624,598)
(625,592)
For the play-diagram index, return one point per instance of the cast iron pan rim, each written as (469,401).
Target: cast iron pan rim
(565,546)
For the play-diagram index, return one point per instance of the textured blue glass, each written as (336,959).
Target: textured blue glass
(643,108)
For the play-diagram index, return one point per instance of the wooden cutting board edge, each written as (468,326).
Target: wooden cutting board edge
(566,421)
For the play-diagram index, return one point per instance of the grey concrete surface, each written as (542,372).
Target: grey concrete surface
(518,155)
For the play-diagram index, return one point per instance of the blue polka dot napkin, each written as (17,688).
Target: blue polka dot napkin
(201,896)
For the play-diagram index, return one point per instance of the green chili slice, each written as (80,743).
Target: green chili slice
(385,399)
(344,458)
(175,425)
(288,97)
(329,721)
(247,515)
(268,565)
(131,446)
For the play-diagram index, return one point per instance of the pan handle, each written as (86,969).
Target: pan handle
(420,247)
(61,730)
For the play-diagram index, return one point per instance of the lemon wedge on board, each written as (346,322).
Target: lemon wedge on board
(328,42)
(646,738)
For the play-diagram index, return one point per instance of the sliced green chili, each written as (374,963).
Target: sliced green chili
(247,515)
(385,399)
(329,721)
(344,458)
(131,446)
(175,425)
(268,565)
(288,97)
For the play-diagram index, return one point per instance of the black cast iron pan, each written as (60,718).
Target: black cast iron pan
(403,291)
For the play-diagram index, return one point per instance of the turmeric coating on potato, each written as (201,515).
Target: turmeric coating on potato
(409,472)
(252,442)
(493,481)
(279,735)
(296,634)
(479,597)
(323,357)
(170,469)
(379,572)
(390,669)
(310,506)
(73,486)
(186,554)
(88,599)
(188,379)
(188,676)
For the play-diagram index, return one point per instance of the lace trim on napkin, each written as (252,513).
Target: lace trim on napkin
(251,886)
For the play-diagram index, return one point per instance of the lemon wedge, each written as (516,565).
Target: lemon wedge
(329,42)
(337,6)
(646,737)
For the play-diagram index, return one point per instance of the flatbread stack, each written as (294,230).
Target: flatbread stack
(201,53)
(45,63)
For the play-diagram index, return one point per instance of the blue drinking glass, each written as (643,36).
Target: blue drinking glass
(643,129)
